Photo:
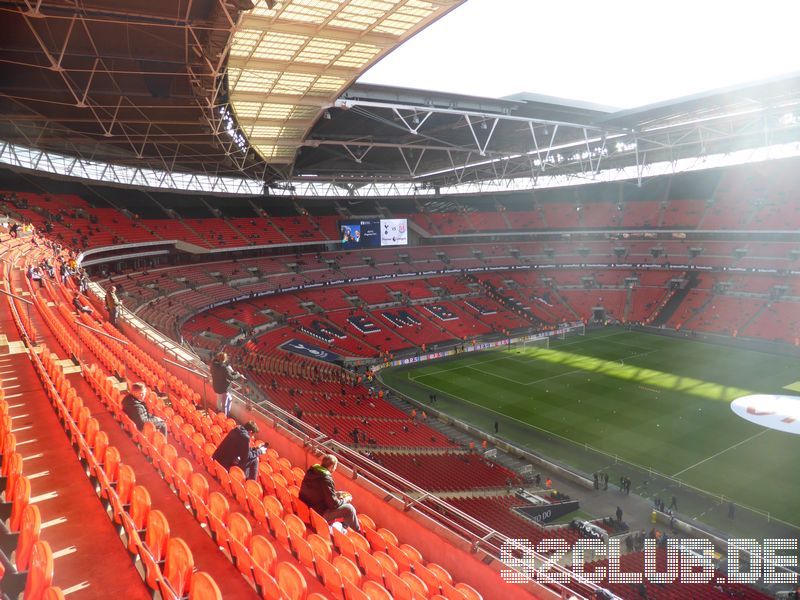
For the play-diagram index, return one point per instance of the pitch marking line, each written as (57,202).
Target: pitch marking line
(752,437)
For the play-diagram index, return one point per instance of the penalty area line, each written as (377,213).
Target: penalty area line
(697,464)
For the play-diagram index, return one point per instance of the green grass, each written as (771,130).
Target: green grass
(665,407)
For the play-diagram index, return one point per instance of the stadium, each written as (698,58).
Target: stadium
(545,349)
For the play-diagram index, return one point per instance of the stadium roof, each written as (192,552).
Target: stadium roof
(216,88)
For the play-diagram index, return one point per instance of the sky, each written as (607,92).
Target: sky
(618,53)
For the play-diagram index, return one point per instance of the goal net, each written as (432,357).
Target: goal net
(572,330)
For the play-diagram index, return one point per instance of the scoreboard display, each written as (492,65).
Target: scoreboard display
(373,233)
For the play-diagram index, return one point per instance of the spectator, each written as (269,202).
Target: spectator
(79,306)
(222,375)
(112,304)
(235,450)
(318,491)
(133,405)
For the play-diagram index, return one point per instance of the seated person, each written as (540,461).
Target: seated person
(235,450)
(79,305)
(133,405)
(319,492)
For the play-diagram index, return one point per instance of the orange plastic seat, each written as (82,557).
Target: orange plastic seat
(320,525)
(252,488)
(237,480)
(469,592)
(366,520)
(239,540)
(291,581)
(140,506)
(28,536)
(126,481)
(264,558)
(53,593)
(279,529)
(372,568)
(273,505)
(199,486)
(375,591)
(178,566)
(417,585)
(218,509)
(319,545)
(263,553)
(400,557)
(353,592)
(348,569)
(203,587)
(166,462)
(22,497)
(92,427)
(265,478)
(295,525)
(111,464)
(345,545)
(301,510)
(412,553)
(40,573)
(441,573)
(100,446)
(451,593)
(304,553)
(224,478)
(388,536)
(386,561)
(84,414)
(183,471)
(430,578)
(331,577)
(399,589)
(360,543)
(157,534)
(13,462)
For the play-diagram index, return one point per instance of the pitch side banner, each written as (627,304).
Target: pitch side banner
(310,351)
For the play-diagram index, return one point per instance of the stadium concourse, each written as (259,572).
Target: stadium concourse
(436,294)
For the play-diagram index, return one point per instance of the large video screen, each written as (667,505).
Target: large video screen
(373,233)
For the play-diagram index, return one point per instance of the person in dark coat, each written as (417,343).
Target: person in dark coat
(222,375)
(235,450)
(112,304)
(79,305)
(318,491)
(133,405)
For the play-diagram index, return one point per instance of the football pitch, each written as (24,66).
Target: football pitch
(658,402)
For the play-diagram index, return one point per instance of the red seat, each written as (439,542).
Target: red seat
(264,558)
(375,591)
(469,592)
(218,509)
(178,566)
(203,587)
(331,577)
(399,589)
(239,541)
(53,593)
(40,574)
(157,534)
(291,581)
(140,506)
(28,536)
(22,497)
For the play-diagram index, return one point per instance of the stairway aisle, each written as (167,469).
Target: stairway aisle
(182,524)
(90,562)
